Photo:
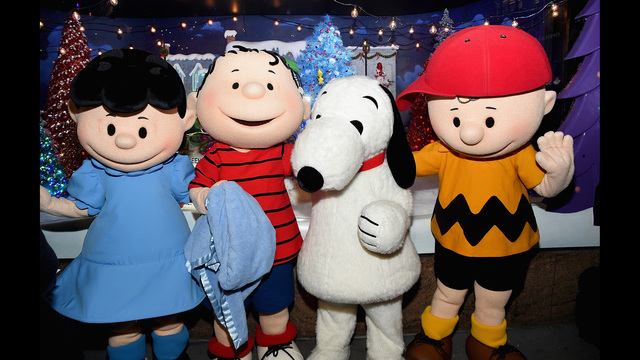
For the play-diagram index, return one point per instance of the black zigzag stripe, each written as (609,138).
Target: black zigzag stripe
(476,226)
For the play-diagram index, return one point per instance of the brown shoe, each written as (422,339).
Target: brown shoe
(479,351)
(423,347)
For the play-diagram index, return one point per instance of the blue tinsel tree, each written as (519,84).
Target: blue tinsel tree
(324,58)
(51,175)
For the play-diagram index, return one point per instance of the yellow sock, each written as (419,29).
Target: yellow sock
(435,327)
(492,336)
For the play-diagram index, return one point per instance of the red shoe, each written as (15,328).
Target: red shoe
(217,351)
(423,347)
(479,351)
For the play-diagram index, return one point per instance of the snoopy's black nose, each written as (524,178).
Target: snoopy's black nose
(309,179)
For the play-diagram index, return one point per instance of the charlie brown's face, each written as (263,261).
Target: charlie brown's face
(491,126)
(246,102)
(132,141)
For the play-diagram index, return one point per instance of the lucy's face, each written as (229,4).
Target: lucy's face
(132,141)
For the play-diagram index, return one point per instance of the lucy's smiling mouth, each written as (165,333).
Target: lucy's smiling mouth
(251,123)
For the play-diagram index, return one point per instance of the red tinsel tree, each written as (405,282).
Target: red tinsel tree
(420,132)
(73,55)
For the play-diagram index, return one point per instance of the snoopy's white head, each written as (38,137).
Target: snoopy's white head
(353,119)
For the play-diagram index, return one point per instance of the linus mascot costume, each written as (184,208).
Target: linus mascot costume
(486,98)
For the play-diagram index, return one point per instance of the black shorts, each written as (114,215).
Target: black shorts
(492,273)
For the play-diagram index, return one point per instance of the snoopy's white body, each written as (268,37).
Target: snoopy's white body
(334,266)
(357,251)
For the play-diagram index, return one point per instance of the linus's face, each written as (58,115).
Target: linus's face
(250,100)
(132,141)
(491,126)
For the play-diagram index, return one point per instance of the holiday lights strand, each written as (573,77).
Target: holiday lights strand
(394,29)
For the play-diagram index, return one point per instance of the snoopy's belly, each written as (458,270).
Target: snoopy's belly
(334,266)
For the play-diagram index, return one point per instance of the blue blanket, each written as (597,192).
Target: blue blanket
(229,250)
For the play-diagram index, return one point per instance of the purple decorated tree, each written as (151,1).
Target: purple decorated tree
(583,120)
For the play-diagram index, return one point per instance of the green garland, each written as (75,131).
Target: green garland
(359,55)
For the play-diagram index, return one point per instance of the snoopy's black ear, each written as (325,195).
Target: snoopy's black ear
(399,155)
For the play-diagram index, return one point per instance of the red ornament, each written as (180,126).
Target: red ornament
(73,55)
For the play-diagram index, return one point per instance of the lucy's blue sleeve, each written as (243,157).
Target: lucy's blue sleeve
(183,173)
(85,187)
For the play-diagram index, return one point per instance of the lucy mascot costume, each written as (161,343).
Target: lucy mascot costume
(355,159)
(486,99)
(132,113)
(251,102)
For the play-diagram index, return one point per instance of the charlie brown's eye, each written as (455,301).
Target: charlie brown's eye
(456,122)
(489,122)
(111,129)
(235,85)
(142,133)
(269,86)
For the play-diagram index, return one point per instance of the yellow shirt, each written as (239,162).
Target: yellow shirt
(483,207)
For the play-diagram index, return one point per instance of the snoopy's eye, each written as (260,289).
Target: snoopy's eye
(358,125)
(372,100)
(318,116)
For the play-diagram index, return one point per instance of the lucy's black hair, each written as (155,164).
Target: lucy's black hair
(126,81)
(277,58)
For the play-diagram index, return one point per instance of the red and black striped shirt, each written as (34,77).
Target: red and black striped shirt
(261,173)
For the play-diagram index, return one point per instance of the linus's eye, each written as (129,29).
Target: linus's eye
(142,133)
(111,129)
(235,85)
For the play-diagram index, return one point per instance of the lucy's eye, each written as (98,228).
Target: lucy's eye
(111,129)
(142,133)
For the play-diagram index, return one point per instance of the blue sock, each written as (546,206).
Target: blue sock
(137,350)
(171,346)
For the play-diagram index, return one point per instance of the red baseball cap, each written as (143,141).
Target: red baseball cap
(482,61)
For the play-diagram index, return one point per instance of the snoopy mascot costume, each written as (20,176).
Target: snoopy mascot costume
(355,160)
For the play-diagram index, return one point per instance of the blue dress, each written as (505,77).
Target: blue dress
(132,263)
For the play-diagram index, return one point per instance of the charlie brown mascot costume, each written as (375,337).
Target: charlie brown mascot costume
(251,102)
(486,98)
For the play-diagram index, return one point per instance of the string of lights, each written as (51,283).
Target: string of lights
(390,30)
